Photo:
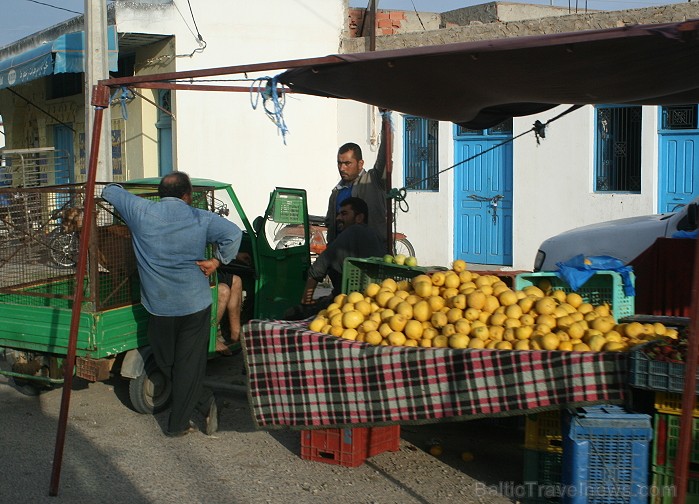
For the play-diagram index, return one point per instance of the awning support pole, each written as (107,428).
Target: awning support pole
(100,100)
(689,391)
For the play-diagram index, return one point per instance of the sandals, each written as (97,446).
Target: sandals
(222,347)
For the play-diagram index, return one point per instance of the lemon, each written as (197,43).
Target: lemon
(476,343)
(507,298)
(405,309)
(369,325)
(451,280)
(440,341)
(423,289)
(316,324)
(574,299)
(565,346)
(372,289)
(549,341)
(454,314)
(429,333)
(545,305)
(413,329)
(425,343)
(458,340)
(363,307)
(439,319)
(513,311)
(422,311)
(503,345)
(438,278)
(397,322)
(448,330)
(340,299)
(521,345)
(352,319)
(385,330)
(354,297)
(397,338)
(382,297)
(459,265)
(436,450)
(436,303)
(350,334)
(480,332)
(476,300)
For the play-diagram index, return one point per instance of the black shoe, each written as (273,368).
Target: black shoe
(192,428)
(212,419)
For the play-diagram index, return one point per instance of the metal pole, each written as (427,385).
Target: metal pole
(97,69)
(688,395)
(101,97)
(388,147)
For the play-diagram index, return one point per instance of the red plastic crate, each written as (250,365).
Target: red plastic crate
(348,447)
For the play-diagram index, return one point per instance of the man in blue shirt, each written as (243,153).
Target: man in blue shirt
(169,239)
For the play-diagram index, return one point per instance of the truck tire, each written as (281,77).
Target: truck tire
(150,391)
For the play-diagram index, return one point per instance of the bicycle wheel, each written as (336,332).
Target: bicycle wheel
(403,246)
(63,248)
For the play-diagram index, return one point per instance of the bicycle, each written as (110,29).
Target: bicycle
(293,236)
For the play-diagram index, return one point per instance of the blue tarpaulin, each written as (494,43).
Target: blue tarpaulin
(66,54)
(579,269)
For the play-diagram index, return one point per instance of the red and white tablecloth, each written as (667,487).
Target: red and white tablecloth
(301,379)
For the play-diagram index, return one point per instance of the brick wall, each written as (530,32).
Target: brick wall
(387,22)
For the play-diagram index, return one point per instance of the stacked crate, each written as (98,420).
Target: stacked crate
(348,447)
(543,457)
(666,439)
(605,456)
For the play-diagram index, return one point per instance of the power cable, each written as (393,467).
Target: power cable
(198,37)
(54,6)
(418,16)
(29,102)
(539,130)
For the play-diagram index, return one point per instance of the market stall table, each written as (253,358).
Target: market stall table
(300,379)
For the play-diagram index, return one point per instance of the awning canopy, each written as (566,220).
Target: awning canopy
(66,54)
(479,84)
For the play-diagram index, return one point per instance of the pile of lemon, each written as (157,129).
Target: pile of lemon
(461,309)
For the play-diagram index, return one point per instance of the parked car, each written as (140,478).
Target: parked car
(624,239)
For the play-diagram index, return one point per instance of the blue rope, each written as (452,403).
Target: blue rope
(125,97)
(272,101)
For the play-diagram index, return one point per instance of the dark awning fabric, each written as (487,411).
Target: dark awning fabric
(479,84)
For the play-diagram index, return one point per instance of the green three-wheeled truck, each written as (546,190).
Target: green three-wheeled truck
(38,251)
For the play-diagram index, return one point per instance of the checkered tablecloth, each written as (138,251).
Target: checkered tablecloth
(300,379)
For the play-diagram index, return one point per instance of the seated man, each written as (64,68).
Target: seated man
(356,239)
(230,299)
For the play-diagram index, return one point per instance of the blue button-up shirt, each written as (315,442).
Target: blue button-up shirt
(169,236)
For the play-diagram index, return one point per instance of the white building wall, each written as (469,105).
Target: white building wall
(553,183)
(219,135)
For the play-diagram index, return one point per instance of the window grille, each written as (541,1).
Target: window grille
(618,146)
(679,117)
(421,138)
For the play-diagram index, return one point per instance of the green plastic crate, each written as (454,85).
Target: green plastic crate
(358,273)
(666,438)
(542,477)
(663,490)
(646,373)
(603,287)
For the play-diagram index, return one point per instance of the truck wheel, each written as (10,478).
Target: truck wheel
(150,391)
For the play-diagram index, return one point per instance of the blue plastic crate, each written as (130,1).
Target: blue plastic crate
(605,456)
(603,287)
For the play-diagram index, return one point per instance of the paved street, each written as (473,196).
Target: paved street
(113,454)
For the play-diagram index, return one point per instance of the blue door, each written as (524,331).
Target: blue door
(64,163)
(164,127)
(483,196)
(678,178)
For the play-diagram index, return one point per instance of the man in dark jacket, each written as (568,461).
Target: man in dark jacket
(356,182)
(357,239)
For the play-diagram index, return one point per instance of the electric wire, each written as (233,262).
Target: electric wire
(29,102)
(54,6)
(539,130)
